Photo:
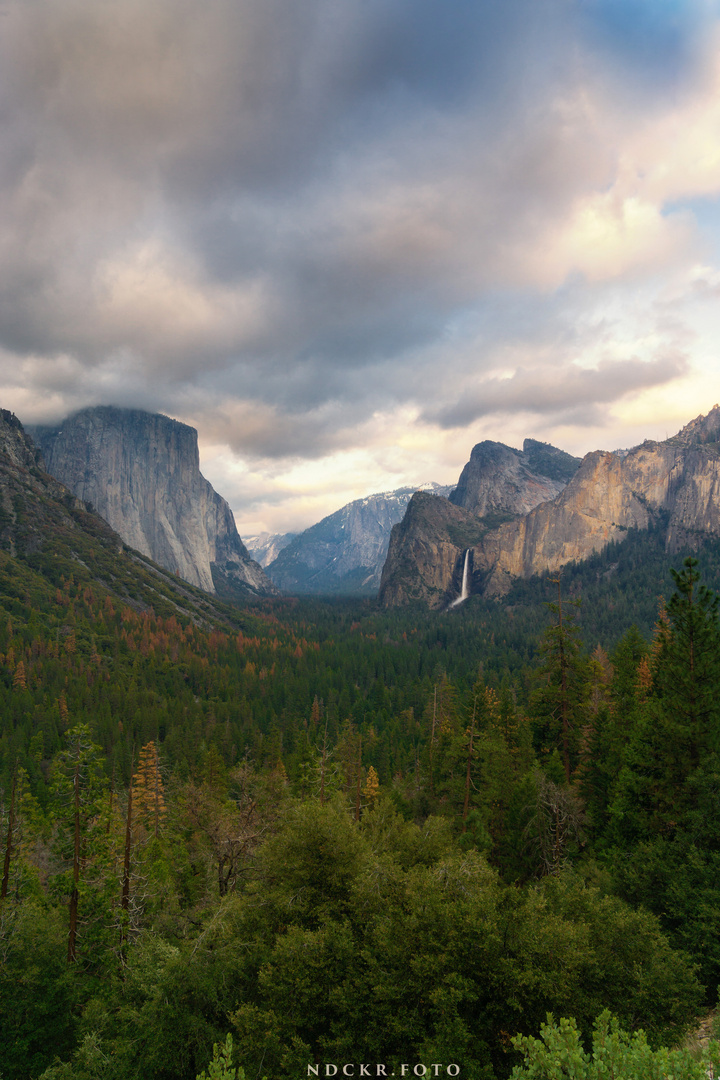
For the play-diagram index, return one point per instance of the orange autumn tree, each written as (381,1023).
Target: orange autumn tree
(148,794)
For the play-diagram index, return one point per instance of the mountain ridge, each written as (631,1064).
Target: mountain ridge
(344,553)
(608,494)
(265,547)
(500,480)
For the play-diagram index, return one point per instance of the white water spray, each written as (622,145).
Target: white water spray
(465,590)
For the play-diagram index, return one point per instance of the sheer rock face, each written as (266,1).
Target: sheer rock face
(676,482)
(499,480)
(426,554)
(141,473)
(610,494)
(345,552)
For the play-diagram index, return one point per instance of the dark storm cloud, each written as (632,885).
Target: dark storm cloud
(283,204)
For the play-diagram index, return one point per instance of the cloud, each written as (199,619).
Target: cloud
(305,226)
(555,390)
(179,156)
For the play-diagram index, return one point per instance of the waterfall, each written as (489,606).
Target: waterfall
(465,589)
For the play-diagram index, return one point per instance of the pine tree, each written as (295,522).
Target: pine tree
(20,678)
(149,793)
(665,808)
(560,702)
(10,840)
(127,860)
(78,785)
(687,674)
(371,789)
(678,722)
(619,686)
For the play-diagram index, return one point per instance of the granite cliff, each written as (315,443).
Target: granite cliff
(674,484)
(426,553)
(345,552)
(48,537)
(141,473)
(499,481)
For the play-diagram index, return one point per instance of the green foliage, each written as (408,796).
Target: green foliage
(419,931)
(559,1055)
(665,807)
(37,991)
(560,700)
(389,957)
(89,1062)
(688,668)
(220,1068)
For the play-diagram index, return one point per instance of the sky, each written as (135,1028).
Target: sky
(348,239)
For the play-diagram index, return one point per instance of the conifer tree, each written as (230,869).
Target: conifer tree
(149,792)
(468,770)
(687,672)
(665,807)
(676,734)
(372,787)
(561,698)
(10,839)
(20,678)
(127,857)
(78,786)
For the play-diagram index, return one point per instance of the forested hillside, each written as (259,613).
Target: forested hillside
(342,834)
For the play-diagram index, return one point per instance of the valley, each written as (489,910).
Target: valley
(338,829)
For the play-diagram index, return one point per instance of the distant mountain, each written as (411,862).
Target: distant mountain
(141,472)
(265,547)
(673,486)
(345,552)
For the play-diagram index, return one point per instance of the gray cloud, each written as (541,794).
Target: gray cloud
(559,389)
(281,216)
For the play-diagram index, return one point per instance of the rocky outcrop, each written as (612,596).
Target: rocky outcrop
(498,484)
(17,451)
(675,483)
(345,552)
(499,481)
(141,473)
(611,493)
(426,553)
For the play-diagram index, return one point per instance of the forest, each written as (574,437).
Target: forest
(310,832)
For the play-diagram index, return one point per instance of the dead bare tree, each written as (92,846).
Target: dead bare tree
(557,822)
